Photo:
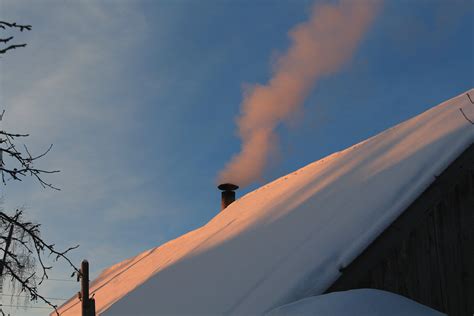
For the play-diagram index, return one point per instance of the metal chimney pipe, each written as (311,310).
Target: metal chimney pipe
(228,194)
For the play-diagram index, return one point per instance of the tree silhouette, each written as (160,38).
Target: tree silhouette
(22,250)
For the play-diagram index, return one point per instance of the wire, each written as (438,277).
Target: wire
(25,306)
(60,280)
(113,277)
(49,298)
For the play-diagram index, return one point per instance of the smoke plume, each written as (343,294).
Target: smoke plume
(319,46)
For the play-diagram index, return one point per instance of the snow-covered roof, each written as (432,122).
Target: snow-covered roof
(367,302)
(289,238)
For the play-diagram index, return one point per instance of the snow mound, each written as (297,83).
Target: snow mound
(288,239)
(367,302)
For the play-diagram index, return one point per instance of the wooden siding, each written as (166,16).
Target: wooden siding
(427,254)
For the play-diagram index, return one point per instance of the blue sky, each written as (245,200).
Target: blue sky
(140,100)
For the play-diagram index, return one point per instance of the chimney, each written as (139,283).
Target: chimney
(228,194)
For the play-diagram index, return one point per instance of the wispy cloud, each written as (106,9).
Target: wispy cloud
(69,87)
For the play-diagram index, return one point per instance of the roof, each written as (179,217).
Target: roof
(290,237)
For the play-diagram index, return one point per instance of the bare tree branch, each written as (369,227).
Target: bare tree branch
(14,25)
(18,265)
(23,252)
(24,161)
(3,51)
(6,40)
(21,27)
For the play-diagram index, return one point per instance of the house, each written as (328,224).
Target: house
(394,212)
(427,253)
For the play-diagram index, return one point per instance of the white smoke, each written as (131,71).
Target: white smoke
(320,46)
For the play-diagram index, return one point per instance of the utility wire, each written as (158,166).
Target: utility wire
(113,277)
(49,298)
(25,306)
(60,280)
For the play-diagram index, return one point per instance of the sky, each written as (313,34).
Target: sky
(142,100)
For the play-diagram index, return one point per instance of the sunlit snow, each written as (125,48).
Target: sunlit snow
(288,239)
(366,302)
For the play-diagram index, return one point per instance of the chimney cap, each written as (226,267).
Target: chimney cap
(228,187)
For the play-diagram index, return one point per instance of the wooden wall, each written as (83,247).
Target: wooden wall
(427,254)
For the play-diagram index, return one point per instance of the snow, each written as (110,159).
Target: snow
(288,239)
(367,302)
